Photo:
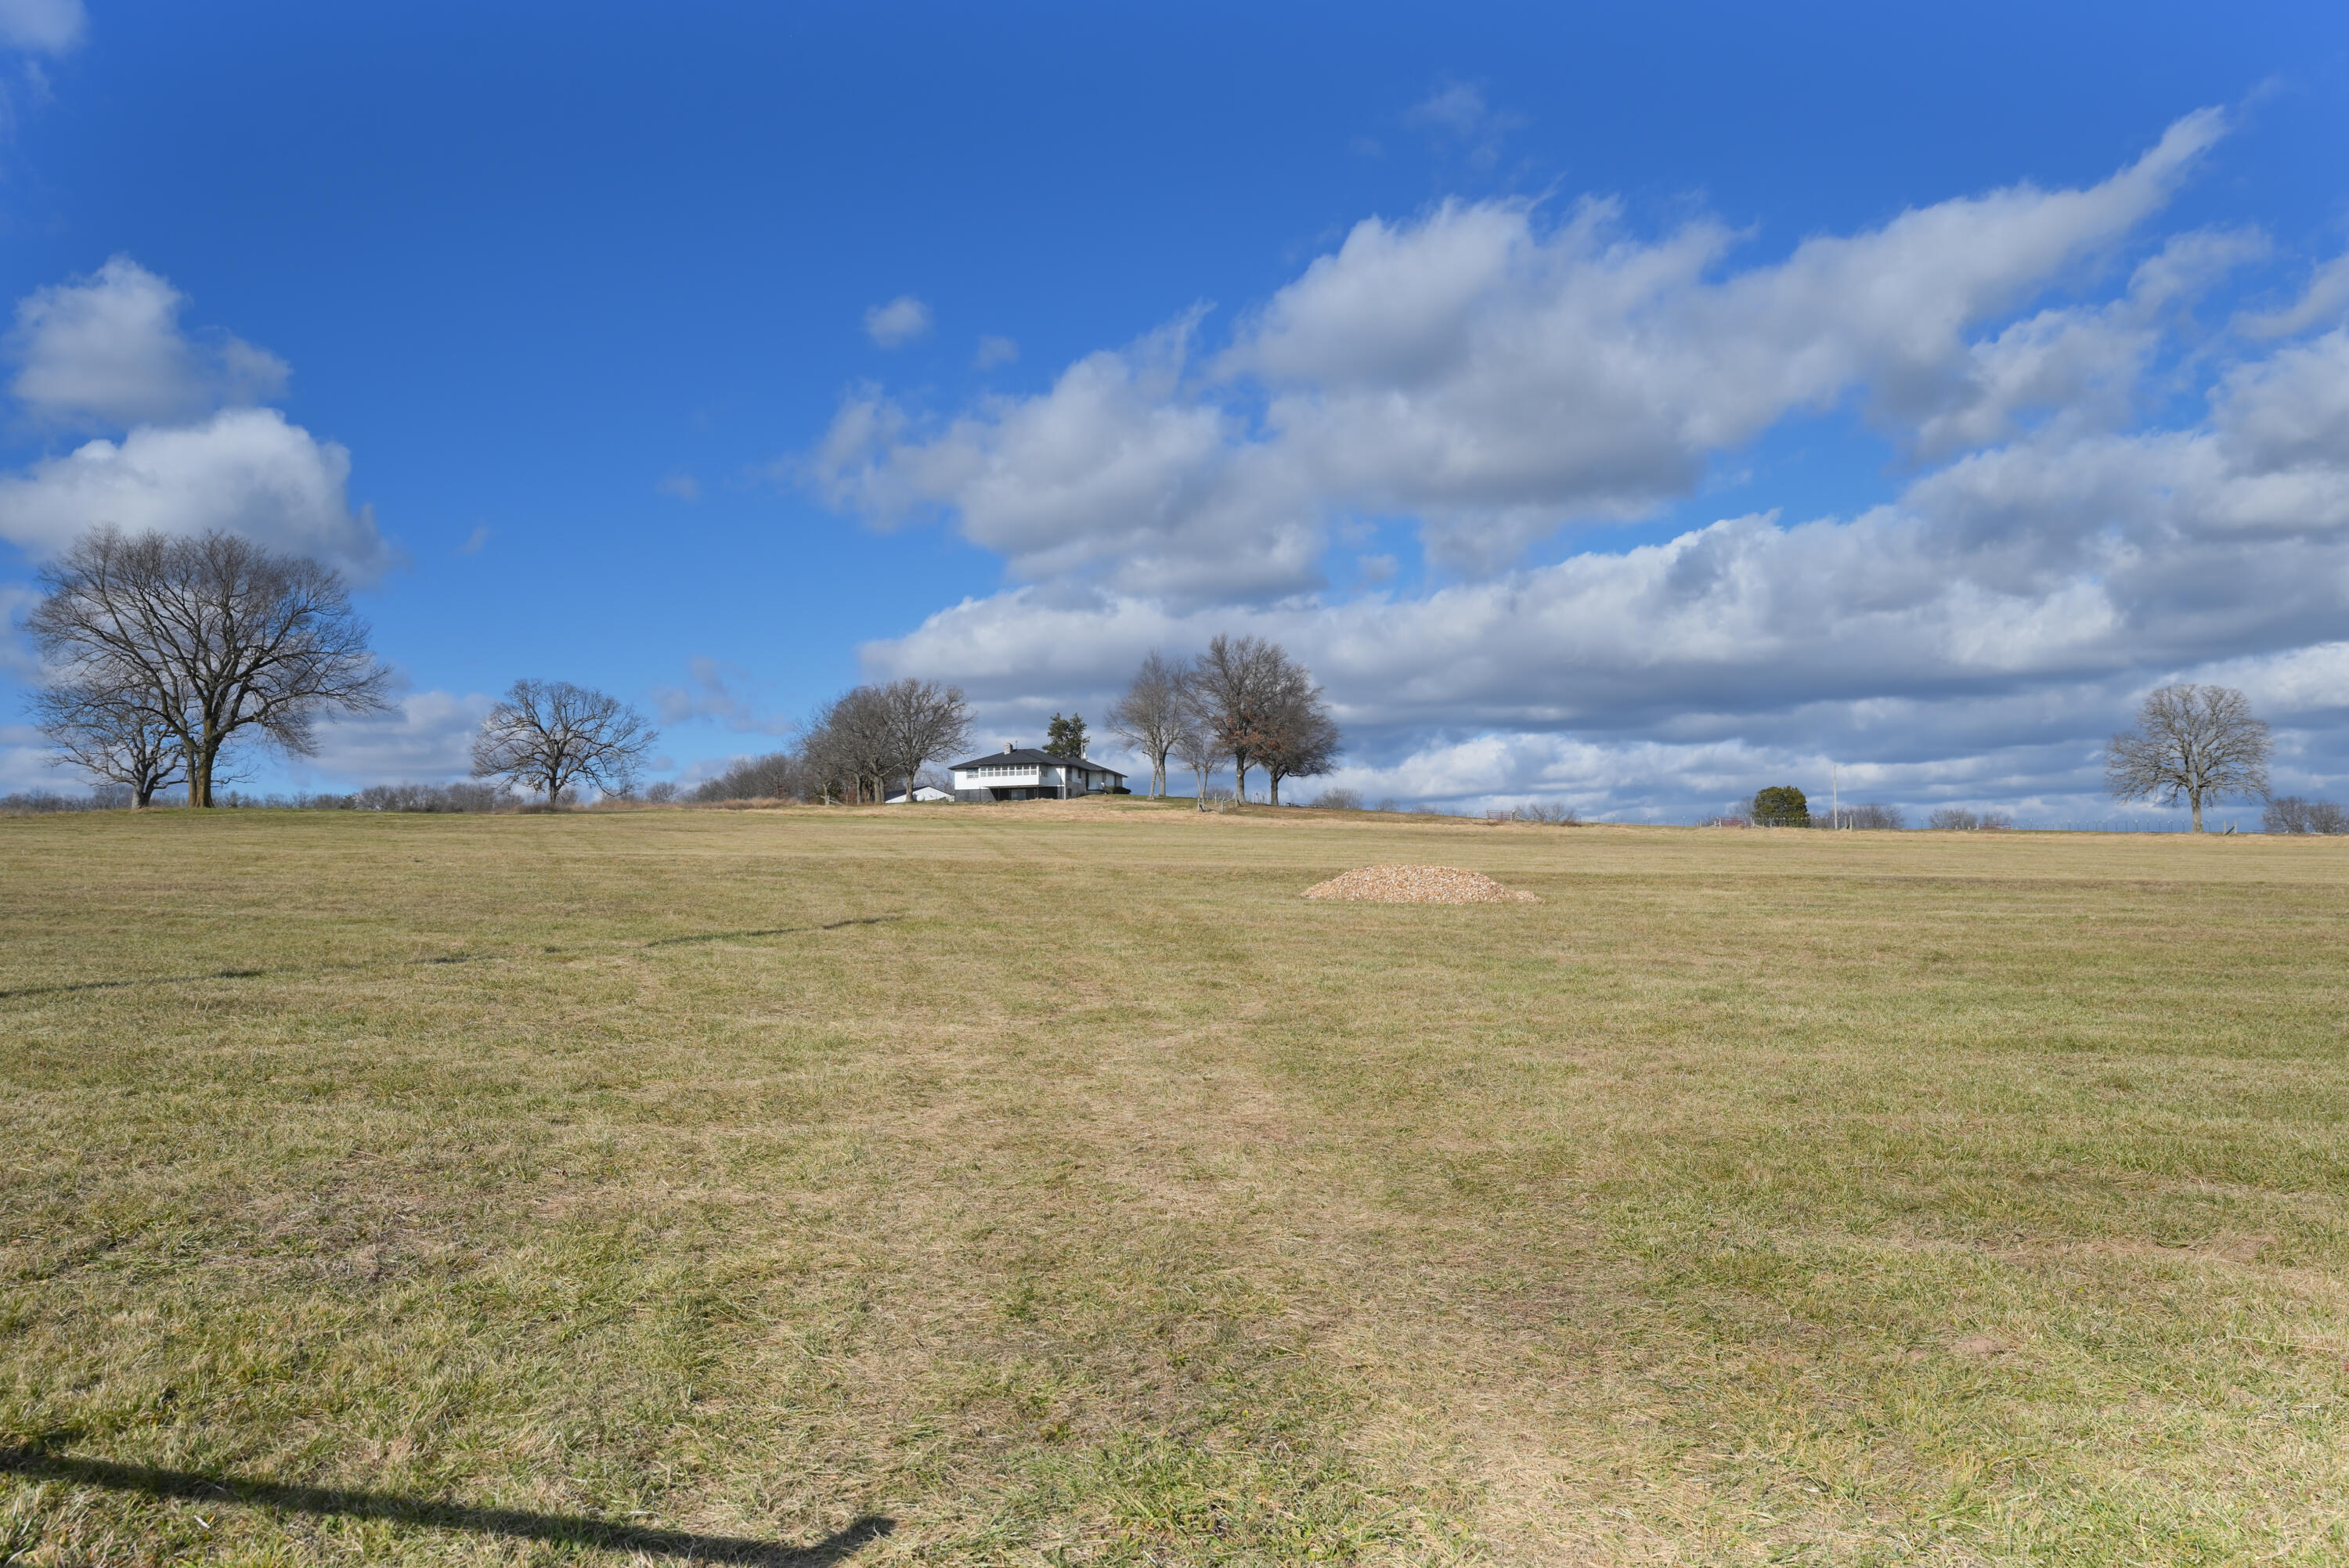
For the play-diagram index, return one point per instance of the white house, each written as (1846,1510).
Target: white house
(1017,773)
(925,794)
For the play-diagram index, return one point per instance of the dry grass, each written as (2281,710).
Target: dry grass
(1052,1182)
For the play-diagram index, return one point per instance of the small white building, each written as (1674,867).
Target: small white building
(927,792)
(1019,773)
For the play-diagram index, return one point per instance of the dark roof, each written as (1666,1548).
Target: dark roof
(1029,757)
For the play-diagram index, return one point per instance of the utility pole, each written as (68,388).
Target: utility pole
(1835,793)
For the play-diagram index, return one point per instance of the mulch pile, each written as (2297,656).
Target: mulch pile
(1418,884)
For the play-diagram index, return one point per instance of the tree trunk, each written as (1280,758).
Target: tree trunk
(1275,785)
(2195,795)
(199,773)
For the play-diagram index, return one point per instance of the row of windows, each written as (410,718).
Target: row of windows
(996,772)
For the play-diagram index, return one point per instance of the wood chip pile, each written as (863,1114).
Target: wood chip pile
(1417,885)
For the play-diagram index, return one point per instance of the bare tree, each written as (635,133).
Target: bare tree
(1199,750)
(109,734)
(848,747)
(2291,814)
(921,722)
(2196,741)
(776,776)
(550,735)
(1231,689)
(207,637)
(1298,739)
(1150,716)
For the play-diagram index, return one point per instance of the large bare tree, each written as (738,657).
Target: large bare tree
(549,736)
(1151,716)
(2200,742)
(108,734)
(848,748)
(1297,738)
(1231,688)
(207,637)
(921,722)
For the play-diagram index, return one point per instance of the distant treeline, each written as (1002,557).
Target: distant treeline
(375,797)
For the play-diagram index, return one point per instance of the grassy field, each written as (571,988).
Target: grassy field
(1050,1184)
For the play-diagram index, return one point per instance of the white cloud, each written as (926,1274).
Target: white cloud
(994,351)
(680,487)
(425,739)
(107,349)
(1458,112)
(2323,304)
(1487,378)
(2079,365)
(2023,592)
(1112,474)
(42,26)
(709,694)
(244,470)
(1496,380)
(898,323)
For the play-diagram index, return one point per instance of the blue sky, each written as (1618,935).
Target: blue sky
(1628,408)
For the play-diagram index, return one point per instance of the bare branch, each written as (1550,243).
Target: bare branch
(1150,717)
(548,736)
(109,734)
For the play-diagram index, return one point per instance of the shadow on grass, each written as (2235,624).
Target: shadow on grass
(771,930)
(448,958)
(40,1463)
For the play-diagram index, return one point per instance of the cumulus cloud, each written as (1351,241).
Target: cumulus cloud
(425,739)
(1497,379)
(248,471)
(107,349)
(42,26)
(2021,594)
(898,323)
(1487,376)
(1113,473)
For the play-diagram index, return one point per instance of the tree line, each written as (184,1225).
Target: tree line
(163,652)
(855,748)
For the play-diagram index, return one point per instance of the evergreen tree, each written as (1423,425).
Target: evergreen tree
(1066,736)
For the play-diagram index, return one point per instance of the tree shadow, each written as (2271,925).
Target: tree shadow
(36,1461)
(66,986)
(770,931)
